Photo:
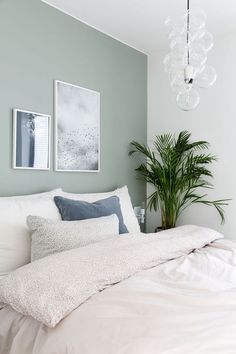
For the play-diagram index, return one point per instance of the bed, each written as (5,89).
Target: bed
(171,293)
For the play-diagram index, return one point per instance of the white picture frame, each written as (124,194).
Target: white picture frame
(71,129)
(28,131)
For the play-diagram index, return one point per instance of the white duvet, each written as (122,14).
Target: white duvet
(170,300)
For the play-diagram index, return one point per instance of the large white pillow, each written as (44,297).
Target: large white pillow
(127,210)
(50,237)
(14,233)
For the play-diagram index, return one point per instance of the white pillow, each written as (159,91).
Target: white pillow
(129,217)
(14,233)
(50,237)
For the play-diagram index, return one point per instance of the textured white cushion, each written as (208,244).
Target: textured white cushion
(14,233)
(50,237)
(129,217)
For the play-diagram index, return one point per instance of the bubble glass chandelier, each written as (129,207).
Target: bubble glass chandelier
(185,64)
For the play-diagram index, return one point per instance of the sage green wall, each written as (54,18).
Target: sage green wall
(39,44)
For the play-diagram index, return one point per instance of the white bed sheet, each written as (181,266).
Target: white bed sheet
(184,306)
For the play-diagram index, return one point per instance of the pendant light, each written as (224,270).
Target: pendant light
(186,62)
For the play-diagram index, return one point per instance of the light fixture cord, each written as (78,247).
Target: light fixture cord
(188,25)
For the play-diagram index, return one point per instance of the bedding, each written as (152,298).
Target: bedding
(71,210)
(49,237)
(14,233)
(49,289)
(173,292)
(130,219)
(15,240)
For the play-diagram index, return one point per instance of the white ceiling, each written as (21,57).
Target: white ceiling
(140,23)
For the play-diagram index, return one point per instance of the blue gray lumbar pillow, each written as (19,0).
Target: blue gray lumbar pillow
(80,210)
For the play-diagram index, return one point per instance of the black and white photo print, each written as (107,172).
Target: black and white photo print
(77,135)
(31,140)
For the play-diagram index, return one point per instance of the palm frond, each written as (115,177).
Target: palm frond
(218,204)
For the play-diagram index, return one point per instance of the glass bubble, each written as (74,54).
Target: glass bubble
(167,62)
(197,55)
(206,77)
(172,62)
(197,19)
(188,98)
(179,49)
(206,41)
(176,22)
(168,21)
(177,80)
(176,34)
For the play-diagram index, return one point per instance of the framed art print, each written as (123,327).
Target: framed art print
(31,140)
(77,128)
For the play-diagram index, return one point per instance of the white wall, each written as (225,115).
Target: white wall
(214,120)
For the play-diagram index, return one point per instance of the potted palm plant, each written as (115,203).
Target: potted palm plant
(178,170)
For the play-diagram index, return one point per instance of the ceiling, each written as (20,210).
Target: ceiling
(140,23)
